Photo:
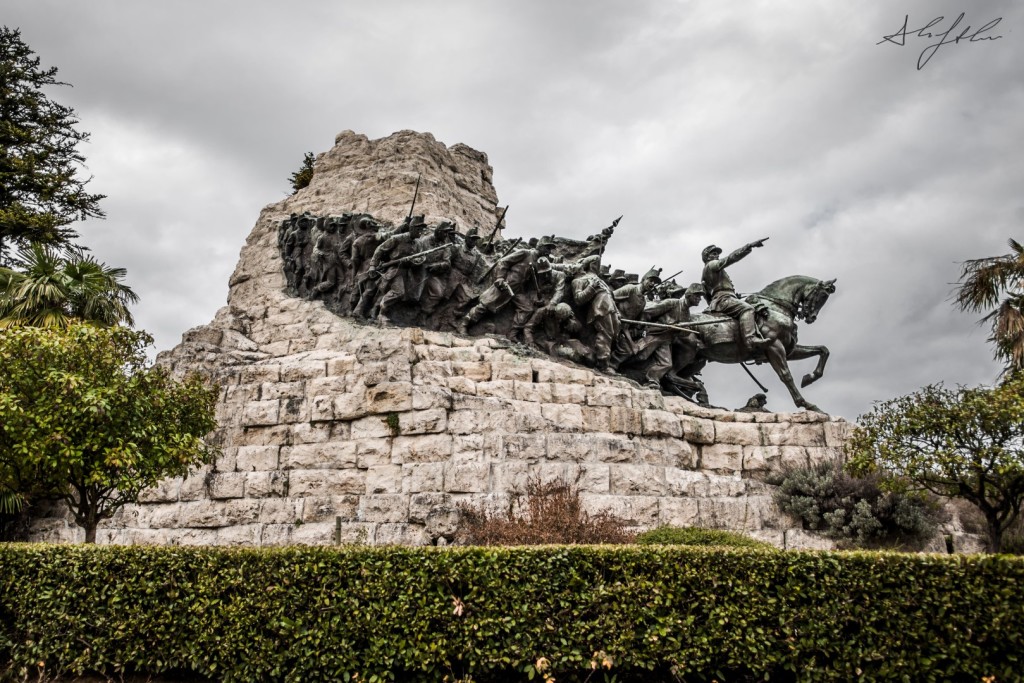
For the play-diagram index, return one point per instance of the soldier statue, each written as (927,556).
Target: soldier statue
(395,280)
(513,274)
(721,293)
(593,295)
(670,350)
(468,266)
(434,270)
(755,404)
(557,327)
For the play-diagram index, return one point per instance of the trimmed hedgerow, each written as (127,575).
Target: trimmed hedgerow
(416,614)
(690,535)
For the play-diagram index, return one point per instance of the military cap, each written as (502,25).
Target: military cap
(708,250)
(696,288)
(652,274)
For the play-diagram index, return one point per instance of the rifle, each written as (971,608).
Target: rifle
(493,265)
(664,280)
(415,194)
(411,257)
(611,229)
(678,327)
(375,271)
(496,226)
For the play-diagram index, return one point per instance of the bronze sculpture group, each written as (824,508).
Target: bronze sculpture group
(554,295)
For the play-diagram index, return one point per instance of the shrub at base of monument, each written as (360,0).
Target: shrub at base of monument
(547,513)
(856,511)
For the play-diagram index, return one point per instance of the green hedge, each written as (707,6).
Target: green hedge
(690,535)
(414,614)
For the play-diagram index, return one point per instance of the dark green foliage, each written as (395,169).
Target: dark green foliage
(40,190)
(417,614)
(675,535)
(993,285)
(546,513)
(855,509)
(304,175)
(394,425)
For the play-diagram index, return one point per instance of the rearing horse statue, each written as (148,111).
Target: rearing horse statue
(779,306)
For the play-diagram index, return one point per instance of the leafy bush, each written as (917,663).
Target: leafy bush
(674,535)
(547,513)
(656,613)
(855,509)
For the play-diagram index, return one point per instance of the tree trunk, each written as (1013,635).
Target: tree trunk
(90,532)
(995,534)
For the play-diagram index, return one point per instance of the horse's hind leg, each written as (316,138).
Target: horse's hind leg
(777,358)
(803,352)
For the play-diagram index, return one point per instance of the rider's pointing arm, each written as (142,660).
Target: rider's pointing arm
(735,256)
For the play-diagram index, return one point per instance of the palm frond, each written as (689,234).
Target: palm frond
(11,502)
(49,288)
(995,285)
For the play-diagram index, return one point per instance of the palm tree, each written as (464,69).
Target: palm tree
(996,285)
(47,289)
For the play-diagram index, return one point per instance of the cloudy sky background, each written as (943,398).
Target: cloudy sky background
(698,121)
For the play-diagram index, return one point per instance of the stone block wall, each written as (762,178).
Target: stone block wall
(382,437)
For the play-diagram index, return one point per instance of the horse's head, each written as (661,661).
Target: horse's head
(814,298)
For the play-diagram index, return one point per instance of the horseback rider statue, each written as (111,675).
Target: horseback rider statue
(721,293)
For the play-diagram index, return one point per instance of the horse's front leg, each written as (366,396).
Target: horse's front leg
(804,352)
(776,353)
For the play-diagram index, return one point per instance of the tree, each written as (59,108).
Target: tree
(40,191)
(304,175)
(967,443)
(52,290)
(996,284)
(85,419)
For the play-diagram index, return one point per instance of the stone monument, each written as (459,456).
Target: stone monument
(385,356)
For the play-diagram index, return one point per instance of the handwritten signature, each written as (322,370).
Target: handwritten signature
(900,37)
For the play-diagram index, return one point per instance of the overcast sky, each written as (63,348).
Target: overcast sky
(698,121)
